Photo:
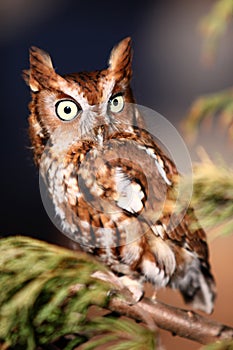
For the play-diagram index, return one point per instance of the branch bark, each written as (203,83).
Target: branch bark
(184,323)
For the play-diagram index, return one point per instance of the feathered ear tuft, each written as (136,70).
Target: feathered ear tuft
(41,69)
(120,61)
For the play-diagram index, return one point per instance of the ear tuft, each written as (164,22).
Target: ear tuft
(41,69)
(38,56)
(121,59)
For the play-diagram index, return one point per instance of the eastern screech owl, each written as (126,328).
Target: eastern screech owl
(110,182)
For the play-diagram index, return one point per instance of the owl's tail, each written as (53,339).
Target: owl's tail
(197,287)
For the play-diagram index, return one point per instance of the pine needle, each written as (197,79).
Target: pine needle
(205,107)
(213,27)
(225,345)
(213,196)
(46,293)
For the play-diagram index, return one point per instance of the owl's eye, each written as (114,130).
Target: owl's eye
(67,109)
(116,103)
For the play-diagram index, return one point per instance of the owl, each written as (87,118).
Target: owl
(111,184)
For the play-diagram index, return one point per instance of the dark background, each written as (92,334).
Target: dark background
(168,76)
(79,35)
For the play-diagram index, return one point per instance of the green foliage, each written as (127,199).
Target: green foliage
(225,345)
(214,25)
(212,184)
(213,196)
(124,333)
(220,103)
(46,293)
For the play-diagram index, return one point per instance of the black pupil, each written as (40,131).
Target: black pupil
(115,101)
(67,110)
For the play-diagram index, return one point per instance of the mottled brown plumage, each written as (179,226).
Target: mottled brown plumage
(112,186)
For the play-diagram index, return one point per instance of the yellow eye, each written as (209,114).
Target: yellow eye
(67,109)
(116,104)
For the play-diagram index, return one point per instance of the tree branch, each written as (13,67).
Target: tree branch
(184,323)
(48,292)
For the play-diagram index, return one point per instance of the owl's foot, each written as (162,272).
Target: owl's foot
(134,286)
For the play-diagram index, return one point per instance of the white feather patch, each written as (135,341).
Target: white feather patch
(158,162)
(162,172)
(131,253)
(159,165)
(106,239)
(158,230)
(208,296)
(154,274)
(130,194)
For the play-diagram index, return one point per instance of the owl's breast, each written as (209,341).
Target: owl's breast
(114,187)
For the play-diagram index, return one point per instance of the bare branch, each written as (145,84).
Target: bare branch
(184,323)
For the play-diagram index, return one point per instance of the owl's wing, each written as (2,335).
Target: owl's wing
(152,200)
(183,231)
(155,193)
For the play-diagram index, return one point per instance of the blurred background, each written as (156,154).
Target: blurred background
(169,74)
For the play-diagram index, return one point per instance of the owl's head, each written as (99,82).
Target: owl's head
(71,107)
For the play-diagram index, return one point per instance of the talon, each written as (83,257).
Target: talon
(112,293)
(135,287)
